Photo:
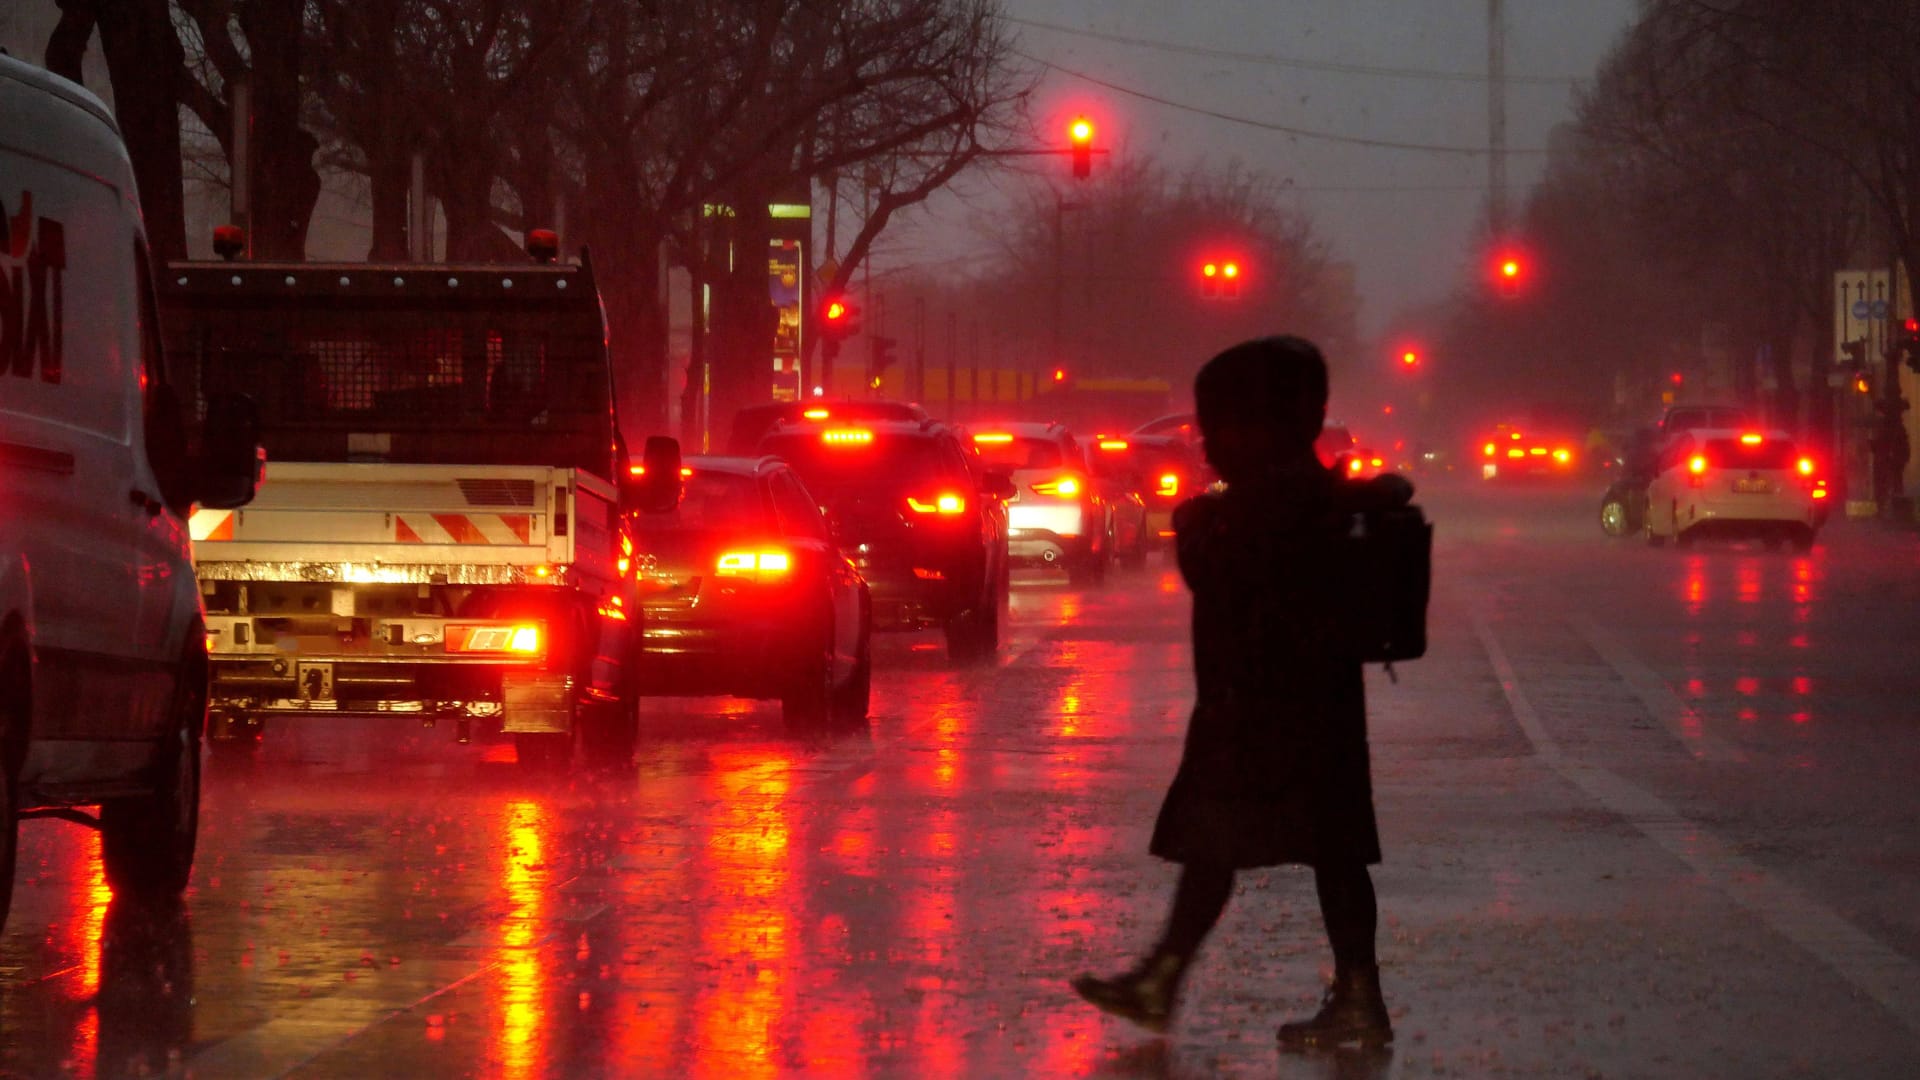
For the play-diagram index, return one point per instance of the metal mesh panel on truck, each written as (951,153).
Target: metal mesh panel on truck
(417,365)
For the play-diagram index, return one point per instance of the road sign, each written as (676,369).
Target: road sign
(1878,309)
(1861,309)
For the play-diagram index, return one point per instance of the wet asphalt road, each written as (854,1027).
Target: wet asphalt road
(1646,813)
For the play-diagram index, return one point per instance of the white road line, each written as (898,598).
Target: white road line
(1683,720)
(1875,970)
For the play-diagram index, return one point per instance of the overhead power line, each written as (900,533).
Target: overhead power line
(1267,125)
(1375,70)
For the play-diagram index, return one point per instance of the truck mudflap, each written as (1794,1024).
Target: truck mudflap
(536,703)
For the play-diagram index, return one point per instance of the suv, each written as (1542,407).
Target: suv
(103,661)
(1736,484)
(920,516)
(1058,515)
(743,592)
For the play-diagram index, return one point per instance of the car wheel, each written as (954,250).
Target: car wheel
(609,731)
(809,702)
(1613,517)
(147,842)
(13,716)
(851,699)
(1088,571)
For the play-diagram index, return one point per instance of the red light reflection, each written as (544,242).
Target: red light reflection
(520,1038)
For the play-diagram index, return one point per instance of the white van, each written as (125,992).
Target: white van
(102,650)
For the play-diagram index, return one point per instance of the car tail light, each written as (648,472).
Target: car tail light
(1751,438)
(1697,471)
(526,639)
(1819,489)
(1488,449)
(1169,485)
(816,414)
(1113,444)
(753,564)
(939,504)
(847,437)
(1805,465)
(1562,456)
(1354,465)
(1516,452)
(1064,488)
(993,438)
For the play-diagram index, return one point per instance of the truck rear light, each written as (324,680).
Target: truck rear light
(753,564)
(940,504)
(1064,488)
(1169,485)
(526,639)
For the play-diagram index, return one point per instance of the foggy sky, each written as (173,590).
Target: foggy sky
(1408,246)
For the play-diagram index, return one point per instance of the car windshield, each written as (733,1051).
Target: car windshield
(1019,452)
(834,464)
(724,502)
(1742,454)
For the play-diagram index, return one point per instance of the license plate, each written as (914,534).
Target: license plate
(1753,487)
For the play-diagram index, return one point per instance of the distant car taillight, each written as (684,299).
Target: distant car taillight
(1169,485)
(1805,465)
(1697,471)
(939,504)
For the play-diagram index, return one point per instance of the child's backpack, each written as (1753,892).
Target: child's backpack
(1385,568)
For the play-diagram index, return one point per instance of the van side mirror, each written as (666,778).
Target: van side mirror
(231,462)
(998,484)
(655,488)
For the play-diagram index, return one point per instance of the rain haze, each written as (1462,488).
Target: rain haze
(959,538)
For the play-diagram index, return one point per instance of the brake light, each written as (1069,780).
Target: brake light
(816,414)
(1065,488)
(753,563)
(996,438)
(849,437)
(1355,465)
(941,504)
(1820,491)
(1538,451)
(1169,485)
(524,638)
(1751,438)
(1489,449)
(1113,444)
(1376,462)
(1697,464)
(1805,465)
(1516,452)
(641,470)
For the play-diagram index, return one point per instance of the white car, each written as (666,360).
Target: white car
(1735,484)
(1059,515)
(103,661)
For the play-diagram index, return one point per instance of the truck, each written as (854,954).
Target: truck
(439,534)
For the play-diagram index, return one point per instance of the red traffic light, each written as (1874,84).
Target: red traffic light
(1059,374)
(1510,271)
(1080,131)
(1410,358)
(839,318)
(1219,278)
(1080,138)
(836,309)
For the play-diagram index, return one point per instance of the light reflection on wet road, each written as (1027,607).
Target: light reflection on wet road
(372,900)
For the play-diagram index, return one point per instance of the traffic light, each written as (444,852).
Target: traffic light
(1410,359)
(1907,340)
(879,359)
(1218,279)
(1509,272)
(1059,376)
(1080,139)
(839,319)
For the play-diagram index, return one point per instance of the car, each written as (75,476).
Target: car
(103,652)
(1335,445)
(921,517)
(1678,419)
(755,421)
(1059,515)
(1735,484)
(744,592)
(1163,470)
(1508,453)
(1364,463)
